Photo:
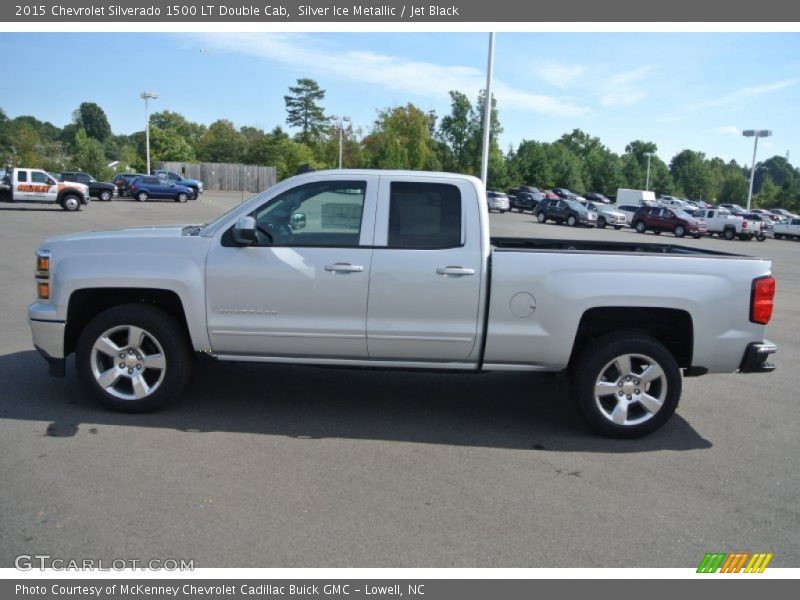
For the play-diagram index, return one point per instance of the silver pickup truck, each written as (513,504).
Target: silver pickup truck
(397,269)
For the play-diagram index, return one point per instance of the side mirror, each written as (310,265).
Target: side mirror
(297,221)
(51,181)
(244,232)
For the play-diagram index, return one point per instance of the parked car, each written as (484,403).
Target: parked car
(597,198)
(571,212)
(766,225)
(635,197)
(782,212)
(789,229)
(722,222)
(676,203)
(628,210)
(659,219)
(147,186)
(606,215)
(551,195)
(563,193)
(97,189)
(498,201)
(523,201)
(734,209)
(123,182)
(258,285)
(194,184)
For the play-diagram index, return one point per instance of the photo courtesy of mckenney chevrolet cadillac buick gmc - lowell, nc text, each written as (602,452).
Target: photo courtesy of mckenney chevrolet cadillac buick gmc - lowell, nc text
(397,269)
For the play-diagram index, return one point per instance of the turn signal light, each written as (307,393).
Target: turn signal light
(42,263)
(43,290)
(761,299)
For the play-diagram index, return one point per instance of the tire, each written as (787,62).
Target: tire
(182,197)
(617,227)
(778,236)
(106,196)
(761,237)
(541,218)
(70,202)
(679,231)
(729,234)
(601,222)
(640,227)
(161,342)
(142,196)
(195,194)
(745,237)
(616,363)
(572,221)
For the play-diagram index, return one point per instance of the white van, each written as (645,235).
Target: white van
(635,197)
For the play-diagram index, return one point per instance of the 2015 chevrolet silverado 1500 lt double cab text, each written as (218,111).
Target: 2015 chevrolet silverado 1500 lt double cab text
(396,269)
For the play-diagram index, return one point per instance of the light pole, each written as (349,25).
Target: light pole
(341,132)
(147,96)
(649,155)
(487,112)
(755,134)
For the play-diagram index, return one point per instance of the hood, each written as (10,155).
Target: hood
(119,234)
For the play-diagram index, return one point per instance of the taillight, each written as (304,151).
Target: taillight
(744,224)
(761,299)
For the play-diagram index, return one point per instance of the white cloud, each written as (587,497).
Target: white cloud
(625,89)
(422,78)
(744,93)
(558,74)
(727,130)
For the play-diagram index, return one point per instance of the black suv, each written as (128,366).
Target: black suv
(523,201)
(570,212)
(97,189)
(123,182)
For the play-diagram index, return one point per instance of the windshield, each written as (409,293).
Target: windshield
(682,214)
(576,205)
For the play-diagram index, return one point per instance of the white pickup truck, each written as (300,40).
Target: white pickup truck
(397,269)
(788,228)
(722,222)
(40,187)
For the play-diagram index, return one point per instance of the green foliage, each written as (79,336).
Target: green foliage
(92,119)
(692,174)
(89,156)
(221,143)
(733,188)
(769,194)
(400,139)
(304,111)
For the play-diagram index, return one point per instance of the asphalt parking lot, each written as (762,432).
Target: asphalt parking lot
(274,466)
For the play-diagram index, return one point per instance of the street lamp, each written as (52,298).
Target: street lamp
(341,130)
(649,155)
(755,134)
(147,96)
(487,113)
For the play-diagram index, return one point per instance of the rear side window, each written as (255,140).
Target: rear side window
(22,176)
(424,215)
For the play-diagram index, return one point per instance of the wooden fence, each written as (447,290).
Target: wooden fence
(225,176)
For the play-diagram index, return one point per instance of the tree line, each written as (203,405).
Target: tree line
(401,137)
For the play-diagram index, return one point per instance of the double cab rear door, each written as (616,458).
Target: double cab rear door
(355,267)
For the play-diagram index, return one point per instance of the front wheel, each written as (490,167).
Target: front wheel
(601,223)
(105,196)
(142,196)
(761,237)
(626,386)
(182,197)
(679,231)
(70,203)
(133,358)
(640,227)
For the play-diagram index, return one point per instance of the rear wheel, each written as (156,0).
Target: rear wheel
(133,358)
(778,236)
(626,385)
(729,234)
(541,218)
(640,227)
(572,221)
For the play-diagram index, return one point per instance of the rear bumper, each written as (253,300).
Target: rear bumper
(755,357)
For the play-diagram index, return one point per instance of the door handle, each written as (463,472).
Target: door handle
(344,268)
(455,271)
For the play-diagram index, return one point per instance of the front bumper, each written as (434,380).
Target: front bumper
(48,339)
(755,357)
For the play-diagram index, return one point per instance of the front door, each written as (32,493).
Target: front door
(301,290)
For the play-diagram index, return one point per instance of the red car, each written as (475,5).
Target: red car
(550,195)
(659,218)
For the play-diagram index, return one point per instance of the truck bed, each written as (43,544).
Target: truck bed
(515,244)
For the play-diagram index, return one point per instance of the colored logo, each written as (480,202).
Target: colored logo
(735,562)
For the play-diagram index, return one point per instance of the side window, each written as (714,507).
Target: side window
(324,213)
(424,215)
(22,176)
(38,177)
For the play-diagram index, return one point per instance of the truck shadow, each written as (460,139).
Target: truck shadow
(495,410)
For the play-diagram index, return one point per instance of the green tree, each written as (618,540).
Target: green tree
(89,156)
(304,111)
(92,119)
(692,174)
(221,143)
(169,145)
(455,133)
(733,189)
(26,141)
(400,139)
(769,194)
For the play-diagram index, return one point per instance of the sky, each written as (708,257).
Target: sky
(679,90)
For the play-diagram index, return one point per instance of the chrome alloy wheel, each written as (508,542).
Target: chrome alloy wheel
(128,362)
(631,389)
